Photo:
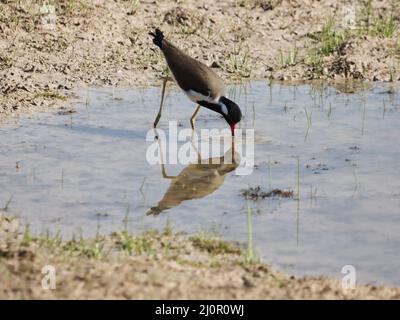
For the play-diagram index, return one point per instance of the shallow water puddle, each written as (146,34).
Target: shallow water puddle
(86,172)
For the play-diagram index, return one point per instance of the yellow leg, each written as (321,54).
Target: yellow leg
(193,118)
(163,171)
(197,151)
(161,103)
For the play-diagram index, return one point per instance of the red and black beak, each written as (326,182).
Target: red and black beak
(233,125)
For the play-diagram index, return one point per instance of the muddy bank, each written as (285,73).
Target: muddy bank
(45,51)
(127,266)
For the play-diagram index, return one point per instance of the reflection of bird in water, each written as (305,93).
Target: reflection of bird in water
(196,181)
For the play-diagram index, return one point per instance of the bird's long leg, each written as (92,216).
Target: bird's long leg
(197,151)
(163,171)
(233,150)
(193,118)
(162,102)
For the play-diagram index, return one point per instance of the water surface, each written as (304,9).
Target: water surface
(87,173)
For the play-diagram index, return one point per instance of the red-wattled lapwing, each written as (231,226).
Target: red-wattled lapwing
(201,84)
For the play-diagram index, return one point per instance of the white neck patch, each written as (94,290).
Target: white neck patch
(224,109)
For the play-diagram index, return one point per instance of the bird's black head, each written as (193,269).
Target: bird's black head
(227,108)
(231,112)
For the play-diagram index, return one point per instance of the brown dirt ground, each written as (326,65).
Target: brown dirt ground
(151,266)
(98,42)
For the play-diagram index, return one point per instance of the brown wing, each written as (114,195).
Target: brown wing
(192,74)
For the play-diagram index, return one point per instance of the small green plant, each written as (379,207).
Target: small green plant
(288,59)
(309,122)
(298,202)
(92,249)
(250,257)
(237,62)
(141,188)
(376,23)
(133,3)
(384,109)
(270,173)
(315,61)
(27,237)
(50,241)
(330,39)
(168,228)
(213,245)
(134,244)
(70,6)
(392,73)
(298,179)
(385,27)
(366,13)
(125,221)
(329,112)
(47,94)
(186,262)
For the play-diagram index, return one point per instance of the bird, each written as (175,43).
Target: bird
(196,180)
(199,82)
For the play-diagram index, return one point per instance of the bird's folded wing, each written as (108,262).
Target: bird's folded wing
(191,74)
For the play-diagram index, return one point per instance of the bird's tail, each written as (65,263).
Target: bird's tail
(158,37)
